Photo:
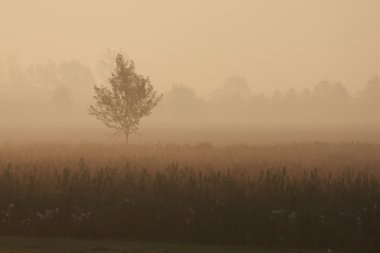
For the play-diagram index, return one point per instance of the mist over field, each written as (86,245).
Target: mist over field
(304,70)
(49,102)
(190,126)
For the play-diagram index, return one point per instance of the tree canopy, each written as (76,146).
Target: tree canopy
(130,97)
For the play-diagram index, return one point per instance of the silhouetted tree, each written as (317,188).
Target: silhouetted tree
(74,74)
(16,74)
(327,90)
(182,102)
(234,88)
(130,97)
(291,94)
(371,91)
(44,76)
(106,64)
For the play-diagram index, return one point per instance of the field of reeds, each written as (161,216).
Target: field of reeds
(315,195)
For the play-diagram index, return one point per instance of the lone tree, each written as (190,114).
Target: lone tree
(130,97)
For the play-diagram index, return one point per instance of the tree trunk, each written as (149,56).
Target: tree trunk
(126,138)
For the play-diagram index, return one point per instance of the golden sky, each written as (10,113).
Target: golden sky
(273,44)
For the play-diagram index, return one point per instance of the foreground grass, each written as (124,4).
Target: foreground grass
(63,245)
(292,196)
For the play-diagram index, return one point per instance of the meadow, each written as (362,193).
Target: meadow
(302,195)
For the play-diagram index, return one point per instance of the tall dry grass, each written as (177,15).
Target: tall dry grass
(315,195)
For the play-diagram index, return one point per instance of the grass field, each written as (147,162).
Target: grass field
(62,245)
(312,195)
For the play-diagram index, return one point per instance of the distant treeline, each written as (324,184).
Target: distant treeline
(234,102)
(65,89)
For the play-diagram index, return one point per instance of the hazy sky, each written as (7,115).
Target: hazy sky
(273,44)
